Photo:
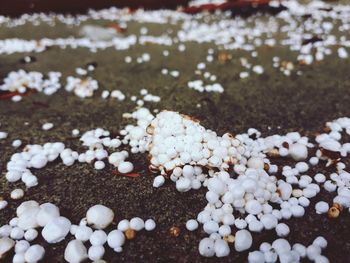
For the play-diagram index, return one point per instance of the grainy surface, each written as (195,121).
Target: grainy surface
(271,102)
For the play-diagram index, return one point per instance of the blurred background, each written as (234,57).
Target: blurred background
(17,7)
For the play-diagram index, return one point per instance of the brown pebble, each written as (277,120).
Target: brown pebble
(174,231)
(130,234)
(229,238)
(338,206)
(333,212)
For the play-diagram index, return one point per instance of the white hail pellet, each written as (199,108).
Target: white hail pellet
(321,207)
(99,216)
(123,225)
(46,213)
(320,242)
(243,240)
(125,167)
(83,233)
(137,223)
(17,193)
(115,239)
(96,252)
(99,165)
(56,230)
(282,230)
(298,151)
(30,235)
(98,238)
(207,247)
(158,181)
(191,225)
(47,126)
(221,248)
(34,254)
(150,225)
(16,143)
(75,252)
(3,204)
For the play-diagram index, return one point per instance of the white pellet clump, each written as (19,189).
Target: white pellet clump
(99,216)
(47,213)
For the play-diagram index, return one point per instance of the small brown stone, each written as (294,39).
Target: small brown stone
(229,238)
(174,231)
(333,212)
(266,167)
(338,206)
(130,234)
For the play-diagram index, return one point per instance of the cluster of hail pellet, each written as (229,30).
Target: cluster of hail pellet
(81,87)
(22,230)
(194,156)
(22,82)
(199,85)
(282,250)
(34,156)
(97,140)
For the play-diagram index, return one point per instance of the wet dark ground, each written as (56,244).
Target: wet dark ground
(271,102)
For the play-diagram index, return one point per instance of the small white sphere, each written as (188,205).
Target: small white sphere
(34,254)
(123,225)
(30,234)
(98,238)
(221,248)
(17,194)
(75,252)
(99,216)
(125,167)
(137,223)
(158,181)
(191,225)
(321,207)
(282,230)
(96,252)
(115,239)
(99,165)
(207,247)
(83,233)
(150,225)
(56,230)
(243,240)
